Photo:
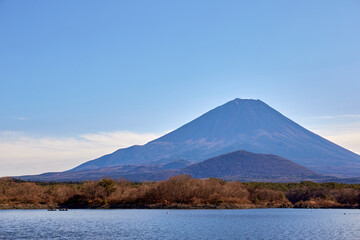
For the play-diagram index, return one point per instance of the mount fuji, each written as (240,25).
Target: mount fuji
(241,124)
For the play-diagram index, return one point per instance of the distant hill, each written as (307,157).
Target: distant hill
(245,166)
(240,124)
(250,165)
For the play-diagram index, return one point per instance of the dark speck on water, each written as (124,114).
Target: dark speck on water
(181,224)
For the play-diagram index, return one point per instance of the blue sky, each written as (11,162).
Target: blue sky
(120,70)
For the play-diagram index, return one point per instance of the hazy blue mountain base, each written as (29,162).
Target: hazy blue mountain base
(238,165)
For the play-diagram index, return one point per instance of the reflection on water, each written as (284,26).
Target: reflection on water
(181,224)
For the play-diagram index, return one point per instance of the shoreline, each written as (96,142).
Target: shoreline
(174,207)
(179,192)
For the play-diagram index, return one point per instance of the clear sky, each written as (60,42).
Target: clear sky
(79,79)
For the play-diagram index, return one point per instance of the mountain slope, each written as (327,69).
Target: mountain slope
(250,125)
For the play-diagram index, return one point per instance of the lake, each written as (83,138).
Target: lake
(181,224)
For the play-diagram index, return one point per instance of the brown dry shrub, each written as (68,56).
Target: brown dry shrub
(178,189)
(269,196)
(5,185)
(91,190)
(208,189)
(121,189)
(317,203)
(347,196)
(27,193)
(61,193)
(236,192)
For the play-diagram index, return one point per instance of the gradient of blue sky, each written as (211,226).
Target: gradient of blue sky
(70,68)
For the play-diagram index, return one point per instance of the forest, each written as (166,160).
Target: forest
(180,191)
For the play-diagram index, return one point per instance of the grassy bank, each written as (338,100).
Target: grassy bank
(178,192)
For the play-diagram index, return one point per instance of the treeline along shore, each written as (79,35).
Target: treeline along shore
(180,191)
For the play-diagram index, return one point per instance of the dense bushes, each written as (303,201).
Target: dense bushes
(179,191)
(311,194)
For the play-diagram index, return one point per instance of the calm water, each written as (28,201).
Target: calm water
(181,224)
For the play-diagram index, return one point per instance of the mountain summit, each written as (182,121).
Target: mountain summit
(241,124)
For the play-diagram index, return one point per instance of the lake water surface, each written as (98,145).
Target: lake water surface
(181,224)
